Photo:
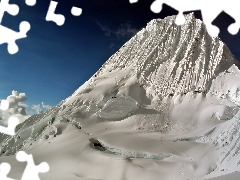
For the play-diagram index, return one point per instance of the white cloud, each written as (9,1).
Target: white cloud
(23,104)
(39,108)
(106,29)
(46,106)
(125,30)
(16,98)
(16,107)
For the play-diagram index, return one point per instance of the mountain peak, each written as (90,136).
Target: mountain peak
(173,58)
(171,19)
(168,88)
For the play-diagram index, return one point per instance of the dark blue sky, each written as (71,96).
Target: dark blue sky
(53,61)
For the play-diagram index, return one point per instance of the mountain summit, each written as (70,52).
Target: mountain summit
(169,97)
(174,59)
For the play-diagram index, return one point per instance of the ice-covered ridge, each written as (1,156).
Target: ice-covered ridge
(173,59)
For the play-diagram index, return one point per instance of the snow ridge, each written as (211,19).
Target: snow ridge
(173,59)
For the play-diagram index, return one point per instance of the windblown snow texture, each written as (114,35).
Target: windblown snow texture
(169,97)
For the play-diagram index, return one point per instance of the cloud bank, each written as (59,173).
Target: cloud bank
(16,108)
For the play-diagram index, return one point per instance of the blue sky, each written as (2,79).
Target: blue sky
(53,61)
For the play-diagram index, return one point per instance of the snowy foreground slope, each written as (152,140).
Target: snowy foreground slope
(165,106)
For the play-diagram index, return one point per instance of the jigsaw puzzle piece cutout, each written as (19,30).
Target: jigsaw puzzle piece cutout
(4,170)
(234,28)
(30,2)
(4,105)
(210,10)
(232,8)
(181,6)
(12,123)
(76,11)
(208,16)
(51,16)
(31,171)
(12,9)
(133,1)
(9,36)
(156,7)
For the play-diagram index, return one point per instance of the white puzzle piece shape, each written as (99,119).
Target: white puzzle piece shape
(7,35)
(31,171)
(12,121)
(51,16)
(4,170)
(30,2)
(12,9)
(10,129)
(210,10)
(133,1)
(76,11)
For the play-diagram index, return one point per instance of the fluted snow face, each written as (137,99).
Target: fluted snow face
(173,59)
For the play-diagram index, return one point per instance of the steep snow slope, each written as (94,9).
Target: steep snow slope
(165,106)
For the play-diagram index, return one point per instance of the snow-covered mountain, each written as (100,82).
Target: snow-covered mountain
(165,106)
